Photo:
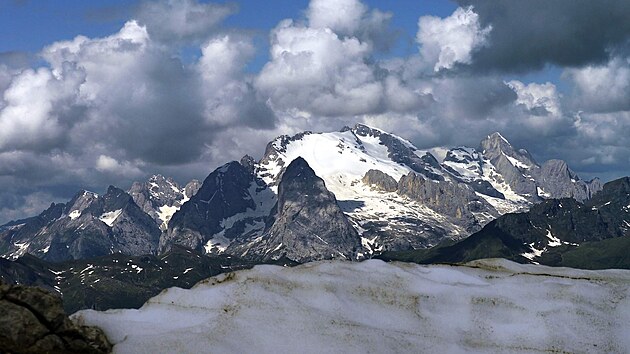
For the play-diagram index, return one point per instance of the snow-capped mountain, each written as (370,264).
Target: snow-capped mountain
(395,196)
(89,225)
(391,194)
(161,197)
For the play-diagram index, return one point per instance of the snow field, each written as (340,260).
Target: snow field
(490,306)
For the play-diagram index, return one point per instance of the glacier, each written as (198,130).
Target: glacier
(487,306)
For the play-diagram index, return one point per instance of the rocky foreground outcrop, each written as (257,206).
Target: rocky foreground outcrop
(32,320)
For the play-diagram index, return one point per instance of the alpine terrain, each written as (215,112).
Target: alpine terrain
(558,232)
(349,194)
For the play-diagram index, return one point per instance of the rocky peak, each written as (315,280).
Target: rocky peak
(299,175)
(80,202)
(279,145)
(249,163)
(495,142)
(558,168)
(191,188)
(496,146)
(161,197)
(114,199)
(309,223)
(224,193)
(364,130)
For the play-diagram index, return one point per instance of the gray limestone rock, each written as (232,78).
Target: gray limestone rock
(159,194)
(452,199)
(380,180)
(517,168)
(557,180)
(309,224)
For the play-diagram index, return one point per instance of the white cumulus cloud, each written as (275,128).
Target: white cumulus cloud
(447,41)
(538,99)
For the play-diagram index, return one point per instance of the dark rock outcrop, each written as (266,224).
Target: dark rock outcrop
(32,320)
(224,193)
(119,281)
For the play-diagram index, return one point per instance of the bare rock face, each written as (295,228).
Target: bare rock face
(554,179)
(89,225)
(161,197)
(560,181)
(514,165)
(380,180)
(309,224)
(224,193)
(453,199)
(32,320)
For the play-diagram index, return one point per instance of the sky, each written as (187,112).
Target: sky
(94,93)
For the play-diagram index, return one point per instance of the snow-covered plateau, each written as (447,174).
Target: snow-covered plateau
(489,306)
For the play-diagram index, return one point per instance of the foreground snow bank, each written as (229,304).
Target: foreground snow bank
(343,307)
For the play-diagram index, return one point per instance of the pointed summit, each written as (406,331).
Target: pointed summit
(161,197)
(495,143)
(309,223)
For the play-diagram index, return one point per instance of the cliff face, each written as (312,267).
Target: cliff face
(309,224)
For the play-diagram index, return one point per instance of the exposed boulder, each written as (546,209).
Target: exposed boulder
(32,320)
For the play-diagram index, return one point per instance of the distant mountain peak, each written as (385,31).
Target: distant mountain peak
(161,197)
(498,136)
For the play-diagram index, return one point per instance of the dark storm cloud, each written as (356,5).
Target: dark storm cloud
(474,97)
(529,34)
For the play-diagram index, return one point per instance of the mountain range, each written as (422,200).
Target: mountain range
(557,232)
(354,194)
(349,194)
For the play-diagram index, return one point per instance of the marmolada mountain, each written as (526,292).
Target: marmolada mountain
(351,195)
